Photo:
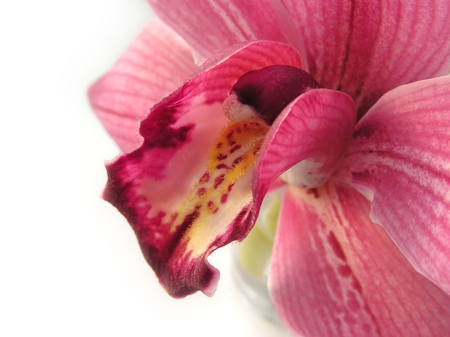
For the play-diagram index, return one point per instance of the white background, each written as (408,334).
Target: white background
(69,263)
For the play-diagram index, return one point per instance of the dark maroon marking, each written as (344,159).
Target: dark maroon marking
(234,149)
(205,177)
(157,129)
(237,161)
(223,198)
(116,191)
(244,218)
(337,248)
(164,251)
(230,134)
(231,143)
(238,130)
(200,283)
(212,205)
(219,145)
(313,191)
(180,232)
(187,223)
(222,156)
(176,288)
(271,89)
(201,191)
(158,255)
(219,180)
(222,166)
(230,187)
(158,133)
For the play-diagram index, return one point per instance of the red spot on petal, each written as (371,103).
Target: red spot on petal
(356,285)
(352,302)
(221,156)
(219,180)
(223,198)
(201,191)
(234,149)
(205,178)
(212,206)
(336,247)
(344,271)
(222,166)
(237,161)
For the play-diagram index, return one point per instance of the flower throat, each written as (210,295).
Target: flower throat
(260,95)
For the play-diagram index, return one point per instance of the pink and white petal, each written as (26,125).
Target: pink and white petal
(209,26)
(167,189)
(154,65)
(400,159)
(309,138)
(335,273)
(366,48)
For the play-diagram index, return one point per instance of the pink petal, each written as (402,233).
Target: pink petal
(209,26)
(161,186)
(315,128)
(154,65)
(400,159)
(334,273)
(366,48)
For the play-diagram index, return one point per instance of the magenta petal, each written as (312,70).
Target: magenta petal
(334,273)
(154,65)
(366,48)
(400,159)
(209,26)
(315,129)
(167,188)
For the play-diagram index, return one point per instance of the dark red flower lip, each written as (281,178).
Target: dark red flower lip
(271,89)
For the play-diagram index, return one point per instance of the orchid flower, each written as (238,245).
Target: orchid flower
(344,103)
